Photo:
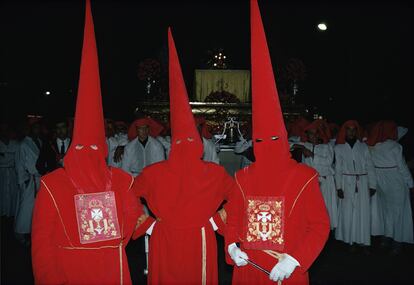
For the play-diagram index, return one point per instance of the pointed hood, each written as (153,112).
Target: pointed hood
(186,141)
(85,160)
(269,131)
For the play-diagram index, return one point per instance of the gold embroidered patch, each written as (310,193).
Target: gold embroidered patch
(97,217)
(264,223)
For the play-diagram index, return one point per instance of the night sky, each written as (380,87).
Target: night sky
(361,67)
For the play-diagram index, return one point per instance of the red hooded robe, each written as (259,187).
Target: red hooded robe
(183,192)
(85,213)
(282,199)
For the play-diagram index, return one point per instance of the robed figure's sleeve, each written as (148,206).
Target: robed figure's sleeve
(402,166)
(234,210)
(132,211)
(20,158)
(338,168)
(140,190)
(44,250)
(126,159)
(372,177)
(317,226)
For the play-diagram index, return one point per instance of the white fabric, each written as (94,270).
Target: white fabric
(166,143)
(284,268)
(213,224)
(393,190)
(210,151)
(239,257)
(323,156)
(8,180)
(150,229)
(136,156)
(113,143)
(28,179)
(354,221)
(241,146)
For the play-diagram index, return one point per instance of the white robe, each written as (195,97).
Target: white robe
(136,156)
(354,169)
(394,181)
(8,180)
(321,161)
(210,151)
(28,179)
(113,143)
(166,143)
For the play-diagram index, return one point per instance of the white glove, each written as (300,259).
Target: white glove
(237,255)
(213,224)
(149,230)
(284,268)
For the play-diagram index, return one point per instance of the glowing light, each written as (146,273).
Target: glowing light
(322,27)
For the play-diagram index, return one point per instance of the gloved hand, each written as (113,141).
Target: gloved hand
(237,255)
(213,224)
(340,193)
(149,230)
(284,268)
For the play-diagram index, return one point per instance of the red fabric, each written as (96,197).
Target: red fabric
(183,193)
(297,127)
(275,174)
(340,138)
(58,256)
(267,118)
(321,128)
(183,201)
(306,222)
(382,131)
(85,158)
(201,121)
(155,128)
(182,121)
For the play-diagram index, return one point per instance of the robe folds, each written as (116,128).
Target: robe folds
(28,178)
(300,225)
(182,247)
(58,255)
(9,189)
(394,181)
(323,156)
(136,156)
(355,175)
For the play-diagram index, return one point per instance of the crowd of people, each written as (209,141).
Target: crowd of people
(75,190)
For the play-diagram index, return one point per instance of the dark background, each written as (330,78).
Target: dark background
(361,67)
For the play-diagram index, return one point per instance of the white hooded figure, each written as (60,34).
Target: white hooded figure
(394,182)
(355,183)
